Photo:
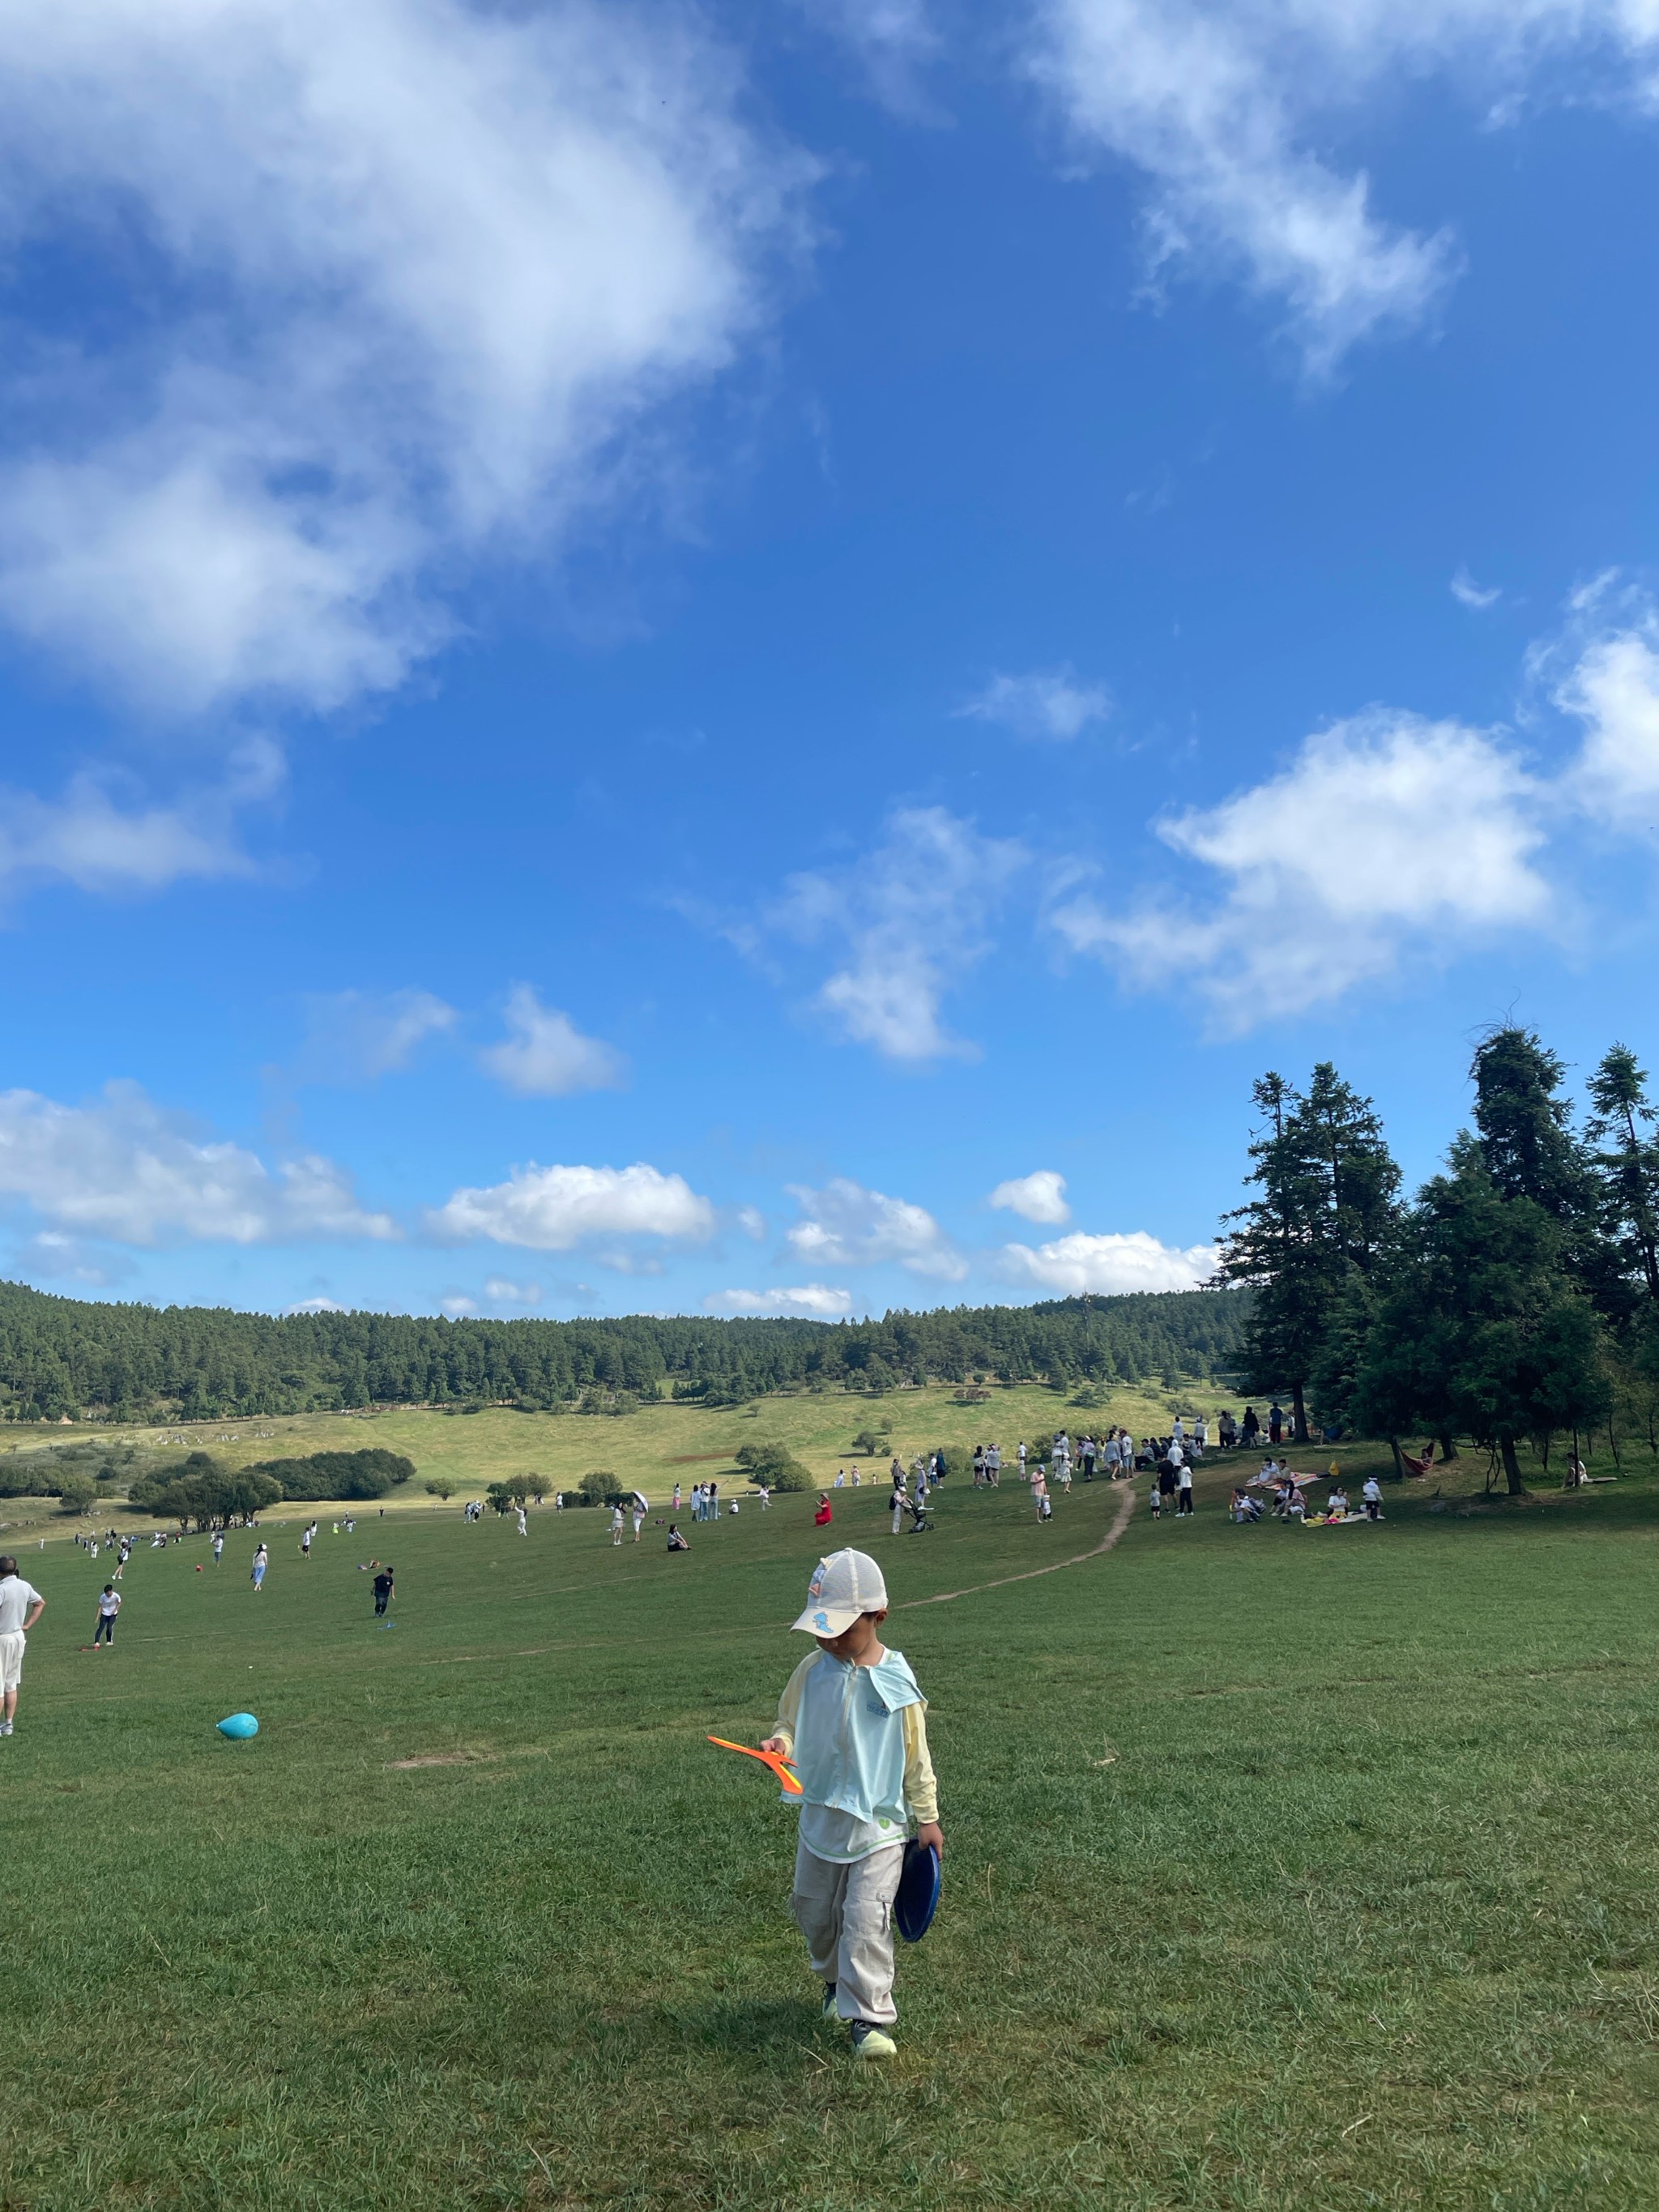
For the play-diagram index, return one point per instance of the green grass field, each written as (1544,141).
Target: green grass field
(1286,1867)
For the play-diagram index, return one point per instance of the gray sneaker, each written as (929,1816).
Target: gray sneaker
(5,1728)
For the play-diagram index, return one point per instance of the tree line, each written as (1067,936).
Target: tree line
(1513,1300)
(133,1363)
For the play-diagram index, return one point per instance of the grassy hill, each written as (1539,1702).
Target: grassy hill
(1286,1867)
(647,1448)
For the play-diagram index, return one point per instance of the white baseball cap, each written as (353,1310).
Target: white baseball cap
(843,1586)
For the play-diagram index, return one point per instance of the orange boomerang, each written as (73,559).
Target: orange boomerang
(775,1760)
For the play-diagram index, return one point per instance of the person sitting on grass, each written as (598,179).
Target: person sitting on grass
(675,1541)
(826,1512)
(852,1724)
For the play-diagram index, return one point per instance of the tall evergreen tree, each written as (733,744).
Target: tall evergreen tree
(1627,1164)
(1483,1331)
(1326,1188)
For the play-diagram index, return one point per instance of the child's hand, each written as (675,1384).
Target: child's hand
(779,1743)
(929,1831)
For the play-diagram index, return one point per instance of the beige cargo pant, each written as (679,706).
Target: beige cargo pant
(845,1913)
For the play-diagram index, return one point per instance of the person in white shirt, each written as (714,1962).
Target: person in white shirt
(1183,1488)
(638,1518)
(1175,1455)
(765,1495)
(109,1604)
(1177,1433)
(1022,1459)
(840,1478)
(1371,1490)
(524,1525)
(21,1606)
(218,1545)
(993,1466)
(616,1524)
(1112,1458)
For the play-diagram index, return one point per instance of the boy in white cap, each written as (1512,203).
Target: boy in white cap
(852,1723)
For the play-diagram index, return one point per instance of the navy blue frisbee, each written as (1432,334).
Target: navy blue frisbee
(917,1899)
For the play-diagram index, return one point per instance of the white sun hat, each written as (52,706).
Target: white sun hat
(843,1586)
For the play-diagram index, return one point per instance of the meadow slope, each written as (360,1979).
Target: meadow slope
(1286,1867)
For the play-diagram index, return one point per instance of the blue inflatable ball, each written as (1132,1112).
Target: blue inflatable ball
(240,1725)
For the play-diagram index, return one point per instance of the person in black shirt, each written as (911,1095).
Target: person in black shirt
(382,1590)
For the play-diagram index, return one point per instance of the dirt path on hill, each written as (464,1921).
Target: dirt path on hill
(1125,1506)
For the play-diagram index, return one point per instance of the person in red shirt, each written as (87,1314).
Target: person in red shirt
(825,1513)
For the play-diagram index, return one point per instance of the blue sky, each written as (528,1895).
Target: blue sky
(753,659)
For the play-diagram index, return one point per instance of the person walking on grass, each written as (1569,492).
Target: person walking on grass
(853,1722)
(1040,1498)
(305,1541)
(21,1606)
(109,1604)
(675,1505)
(382,1591)
(261,1561)
(218,1545)
(1371,1490)
(524,1524)
(1183,1488)
(900,1498)
(639,1519)
(616,1524)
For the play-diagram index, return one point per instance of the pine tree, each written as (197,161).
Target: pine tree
(1326,1189)
(1483,1331)
(1626,1167)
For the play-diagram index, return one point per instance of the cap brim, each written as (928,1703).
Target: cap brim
(826,1621)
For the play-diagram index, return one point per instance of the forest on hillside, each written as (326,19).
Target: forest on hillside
(136,1362)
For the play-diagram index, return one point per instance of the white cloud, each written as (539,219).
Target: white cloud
(105,835)
(1221,104)
(1612,689)
(1039,1197)
(1050,703)
(818,1300)
(752,1221)
(1468,593)
(457,1306)
(547,1056)
(845,1225)
(126,1169)
(317,1306)
(353,1037)
(380,292)
(1108,1265)
(1387,834)
(913,917)
(551,1209)
(893,38)
(501,1292)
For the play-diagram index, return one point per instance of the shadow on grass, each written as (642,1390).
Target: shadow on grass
(775,2033)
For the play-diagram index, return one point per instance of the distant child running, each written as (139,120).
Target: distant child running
(853,1722)
(109,1604)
